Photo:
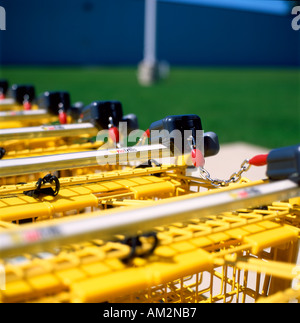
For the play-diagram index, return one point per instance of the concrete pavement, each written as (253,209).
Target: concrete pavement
(230,158)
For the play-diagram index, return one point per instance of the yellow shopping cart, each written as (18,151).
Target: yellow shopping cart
(145,223)
(64,138)
(18,97)
(161,240)
(240,256)
(49,108)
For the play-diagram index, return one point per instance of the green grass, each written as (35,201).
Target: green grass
(258,106)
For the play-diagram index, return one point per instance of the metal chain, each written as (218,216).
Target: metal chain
(235,177)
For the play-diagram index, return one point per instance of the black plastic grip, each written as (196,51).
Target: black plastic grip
(53,102)
(100,112)
(211,144)
(174,131)
(178,122)
(284,163)
(3,86)
(23,93)
(192,123)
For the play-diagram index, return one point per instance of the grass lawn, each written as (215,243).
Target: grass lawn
(258,106)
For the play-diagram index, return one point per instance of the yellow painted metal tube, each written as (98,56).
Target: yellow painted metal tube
(128,281)
(47,209)
(132,220)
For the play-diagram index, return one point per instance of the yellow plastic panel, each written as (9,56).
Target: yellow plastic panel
(71,275)
(76,202)
(46,283)
(125,282)
(16,291)
(273,237)
(96,269)
(26,211)
(156,189)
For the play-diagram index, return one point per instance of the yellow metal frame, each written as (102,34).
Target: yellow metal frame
(15,107)
(127,187)
(246,255)
(208,259)
(7,124)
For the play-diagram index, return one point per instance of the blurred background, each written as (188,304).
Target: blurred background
(235,63)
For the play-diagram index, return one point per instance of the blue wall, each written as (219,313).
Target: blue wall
(227,37)
(111,32)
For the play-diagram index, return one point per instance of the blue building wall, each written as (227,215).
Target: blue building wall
(226,37)
(89,32)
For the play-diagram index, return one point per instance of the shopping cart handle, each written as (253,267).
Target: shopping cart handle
(193,125)
(132,122)
(3,88)
(22,93)
(174,131)
(211,144)
(67,130)
(102,113)
(55,102)
(284,163)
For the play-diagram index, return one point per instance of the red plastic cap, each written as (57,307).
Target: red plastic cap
(197,158)
(114,134)
(2,96)
(259,160)
(147,133)
(63,118)
(27,106)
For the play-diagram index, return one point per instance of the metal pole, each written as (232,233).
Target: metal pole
(48,131)
(32,165)
(148,68)
(150,32)
(31,115)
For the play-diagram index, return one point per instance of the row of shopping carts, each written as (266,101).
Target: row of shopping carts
(87,216)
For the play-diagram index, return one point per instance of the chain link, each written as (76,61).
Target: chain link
(235,177)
